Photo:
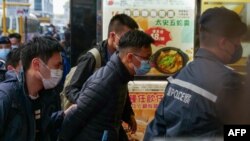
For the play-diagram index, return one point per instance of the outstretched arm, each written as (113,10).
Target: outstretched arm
(88,103)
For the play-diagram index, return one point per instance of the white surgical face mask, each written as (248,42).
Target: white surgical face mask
(55,77)
(53,80)
(14,46)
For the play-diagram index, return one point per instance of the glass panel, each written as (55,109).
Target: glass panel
(38,5)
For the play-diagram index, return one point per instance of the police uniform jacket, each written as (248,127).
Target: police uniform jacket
(198,100)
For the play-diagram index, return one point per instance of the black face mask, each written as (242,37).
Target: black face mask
(237,54)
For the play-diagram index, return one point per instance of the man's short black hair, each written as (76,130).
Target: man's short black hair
(136,39)
(4,40)
(15,35)
(13,57)
(42,47)
(120,20)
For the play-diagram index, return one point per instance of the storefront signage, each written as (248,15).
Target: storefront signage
(170,23)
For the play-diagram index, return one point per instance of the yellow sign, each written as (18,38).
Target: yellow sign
(44,20)
(235,5)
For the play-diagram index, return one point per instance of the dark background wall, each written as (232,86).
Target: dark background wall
(83,27)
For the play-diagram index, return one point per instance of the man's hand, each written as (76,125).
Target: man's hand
(70,108)
(132,124)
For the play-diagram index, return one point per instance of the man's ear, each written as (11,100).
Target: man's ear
(112,35)
(129,57)
(222,42)
(35,63)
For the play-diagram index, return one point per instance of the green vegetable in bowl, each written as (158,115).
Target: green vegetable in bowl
(167,61)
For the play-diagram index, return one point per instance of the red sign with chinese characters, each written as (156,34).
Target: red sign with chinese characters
(160,35)
(145,100)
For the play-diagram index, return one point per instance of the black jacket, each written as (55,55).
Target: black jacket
(85,68)
(17,120)
(100,104)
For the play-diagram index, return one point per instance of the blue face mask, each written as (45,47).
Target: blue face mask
(4,53)
(144,67)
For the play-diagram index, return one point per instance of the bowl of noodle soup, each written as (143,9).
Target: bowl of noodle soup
(169,60)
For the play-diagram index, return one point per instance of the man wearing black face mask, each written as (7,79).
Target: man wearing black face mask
(205,94)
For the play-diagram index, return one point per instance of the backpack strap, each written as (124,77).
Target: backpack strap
(65,102)
(97,56)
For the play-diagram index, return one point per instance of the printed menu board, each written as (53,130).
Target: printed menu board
(145,97)
(241,7)
(170,22)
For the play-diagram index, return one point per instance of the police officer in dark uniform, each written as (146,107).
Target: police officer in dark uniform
(205,94)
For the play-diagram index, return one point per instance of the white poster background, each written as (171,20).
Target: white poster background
(176,16)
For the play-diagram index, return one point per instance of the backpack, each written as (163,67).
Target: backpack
(65,102)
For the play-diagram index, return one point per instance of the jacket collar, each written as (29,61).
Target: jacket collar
(25,102)
(11,76)
(120,67)
(203,53)
(103,48)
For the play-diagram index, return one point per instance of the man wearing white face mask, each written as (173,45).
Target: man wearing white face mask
(52,32)
(50,77)
(29,106)
(15,40)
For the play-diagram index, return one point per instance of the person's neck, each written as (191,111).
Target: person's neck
(33,84)
(215,51)
(127,65)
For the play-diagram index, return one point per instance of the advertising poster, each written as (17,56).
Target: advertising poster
(145,97)
(241,7)
(170,22)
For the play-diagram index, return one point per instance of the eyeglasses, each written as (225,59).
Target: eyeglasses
(143,58)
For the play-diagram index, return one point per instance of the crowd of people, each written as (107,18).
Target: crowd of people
(34,74)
